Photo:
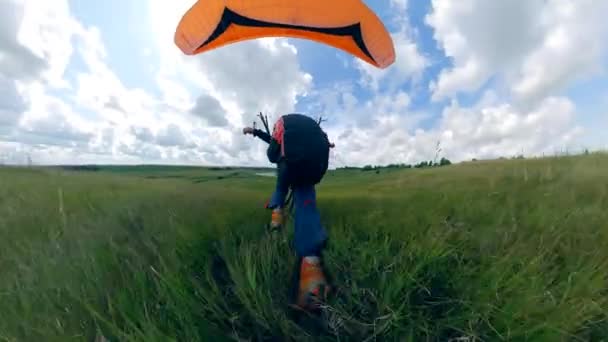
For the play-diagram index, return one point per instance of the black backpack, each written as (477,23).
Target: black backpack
(305,149)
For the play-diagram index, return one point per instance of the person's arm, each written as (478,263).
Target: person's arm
(274,148)
(262,135)
(258,133)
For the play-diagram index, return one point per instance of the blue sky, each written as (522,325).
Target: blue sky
(469,74)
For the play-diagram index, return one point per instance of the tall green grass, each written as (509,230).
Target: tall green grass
(484,251)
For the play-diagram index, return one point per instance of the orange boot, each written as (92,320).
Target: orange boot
(313,287)
(276,222)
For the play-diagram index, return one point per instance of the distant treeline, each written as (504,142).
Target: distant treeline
(155,167)
(421,165)
(81,167)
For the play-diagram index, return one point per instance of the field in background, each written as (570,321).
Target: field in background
(481,251)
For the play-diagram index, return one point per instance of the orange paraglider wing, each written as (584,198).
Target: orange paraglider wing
(348,25)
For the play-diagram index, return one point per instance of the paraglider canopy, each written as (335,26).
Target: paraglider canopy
(348,25)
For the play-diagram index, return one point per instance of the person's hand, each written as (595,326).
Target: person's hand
(247,130)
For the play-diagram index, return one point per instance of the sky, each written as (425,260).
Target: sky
(102,82)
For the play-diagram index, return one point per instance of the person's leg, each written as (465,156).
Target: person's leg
(277,201)
(310,236)
(309,241)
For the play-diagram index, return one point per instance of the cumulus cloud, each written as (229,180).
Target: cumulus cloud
(51,121)
(113,103)
(17,62)
(489,129)
(503,130)
(536,47)
(99,89)
(257,75)
(55,130)
(574,46)
(481,37)
(47,29)
(210,109)
(143,134)
(35,48)
(12,104)
(344,108)
(42,109)
(409,63)
(172,135)
(141,151)
(103,142)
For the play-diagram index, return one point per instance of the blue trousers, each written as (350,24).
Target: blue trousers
(310,235)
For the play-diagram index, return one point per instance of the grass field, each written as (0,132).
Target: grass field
(507,250)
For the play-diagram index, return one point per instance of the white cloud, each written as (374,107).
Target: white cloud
(18,66)
(51,121)
(211,110)
(143,134)
(140,151)
(55,130)
(503,130)
(481,38)
(17,62)
(12,104)
(35,49)
(409,62)
(93,116)
(535,46)
(489,129)
(102,92)
(173,136)
(345,109)
(47,30)
(261,75)
(574,46)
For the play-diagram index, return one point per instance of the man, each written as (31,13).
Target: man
(301,151)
